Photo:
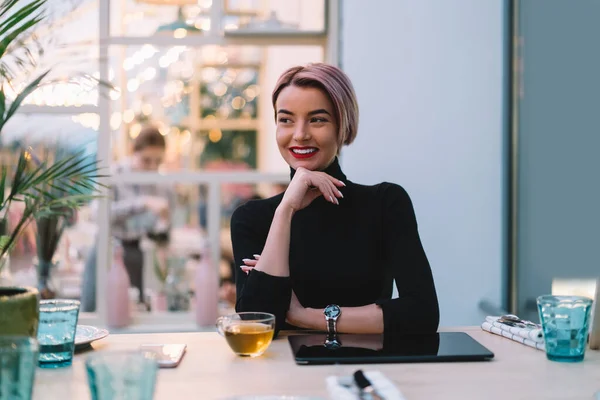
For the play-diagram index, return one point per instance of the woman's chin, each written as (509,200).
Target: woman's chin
(311,165)
(318,162)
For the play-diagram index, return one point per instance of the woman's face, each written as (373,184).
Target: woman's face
(148,158)
(306,128)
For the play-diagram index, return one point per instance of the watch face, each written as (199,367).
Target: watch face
(332,311)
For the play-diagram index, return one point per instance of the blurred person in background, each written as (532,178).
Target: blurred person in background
(136,210)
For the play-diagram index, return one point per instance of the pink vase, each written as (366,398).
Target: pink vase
(118,310)
(206,290)
(160,302)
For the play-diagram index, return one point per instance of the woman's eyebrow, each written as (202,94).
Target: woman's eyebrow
(319,111)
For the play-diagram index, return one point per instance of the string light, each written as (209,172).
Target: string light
(186,136)
(238,103)
(147,109)
(179,33)
(115,120)
(128,116)
(214,135)
(135,130)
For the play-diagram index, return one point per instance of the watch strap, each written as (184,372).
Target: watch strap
(331,328)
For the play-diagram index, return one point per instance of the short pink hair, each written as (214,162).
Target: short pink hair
(338,88)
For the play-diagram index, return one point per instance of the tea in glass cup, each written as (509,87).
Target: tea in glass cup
(248,334)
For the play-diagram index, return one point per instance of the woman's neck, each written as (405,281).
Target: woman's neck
(332,169)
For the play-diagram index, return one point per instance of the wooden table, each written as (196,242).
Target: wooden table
(211,371)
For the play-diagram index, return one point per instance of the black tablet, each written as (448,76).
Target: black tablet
(373,349)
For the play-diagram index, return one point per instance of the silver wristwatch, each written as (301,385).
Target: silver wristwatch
(332,312)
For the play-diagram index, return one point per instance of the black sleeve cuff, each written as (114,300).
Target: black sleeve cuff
(400,316)
(266,293)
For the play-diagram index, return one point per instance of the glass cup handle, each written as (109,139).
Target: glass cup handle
(220,326)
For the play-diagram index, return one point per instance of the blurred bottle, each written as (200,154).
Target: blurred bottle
(206,290)
(119,310)
(177,286)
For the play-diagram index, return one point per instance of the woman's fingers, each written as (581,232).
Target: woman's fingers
(249,263)
(319,181)
(246,269)
(330,191)
(325,188)
(333,185)
(333,180)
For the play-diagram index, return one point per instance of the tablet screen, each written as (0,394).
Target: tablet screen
(364,349)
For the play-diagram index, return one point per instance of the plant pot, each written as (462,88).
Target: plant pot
(19,311)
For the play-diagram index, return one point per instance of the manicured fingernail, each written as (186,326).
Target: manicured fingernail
(256,255)
(247,259)
(343,184)
(331,199)
(341,194)
(244,266)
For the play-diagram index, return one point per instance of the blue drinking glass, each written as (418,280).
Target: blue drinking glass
(565,323)
(122,375)
(18,362)
(56,332)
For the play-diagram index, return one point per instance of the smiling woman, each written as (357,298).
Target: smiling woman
(307,136)
(325,253)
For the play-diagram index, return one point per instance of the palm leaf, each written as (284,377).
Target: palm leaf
(19,16)
(2,185)
(48,192)
(8,39)
(3,241)
(6,5)
(22,96)
(2,104)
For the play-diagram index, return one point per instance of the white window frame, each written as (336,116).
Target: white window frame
(328,40)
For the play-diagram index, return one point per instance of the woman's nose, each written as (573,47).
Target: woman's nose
(301,133)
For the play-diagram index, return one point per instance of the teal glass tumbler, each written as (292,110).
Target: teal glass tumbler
(565,323)
(56,332)
(18,362)
(122,375)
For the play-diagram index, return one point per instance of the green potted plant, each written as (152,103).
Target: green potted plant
(50,228)
(72,178)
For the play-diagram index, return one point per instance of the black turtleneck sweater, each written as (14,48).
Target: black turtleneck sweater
(347,254)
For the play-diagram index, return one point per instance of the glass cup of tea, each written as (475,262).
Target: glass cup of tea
(248,334)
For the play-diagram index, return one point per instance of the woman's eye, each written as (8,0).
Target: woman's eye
(318,120)
(284,120)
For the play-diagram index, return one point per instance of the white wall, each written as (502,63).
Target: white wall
(429,77)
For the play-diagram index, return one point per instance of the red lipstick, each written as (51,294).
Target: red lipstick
(303,152)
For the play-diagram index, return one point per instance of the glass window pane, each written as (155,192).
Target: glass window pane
(159,17)
(228,149)
(71,59)
(229,92)
(165,259)
(214,99)
(274,16)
